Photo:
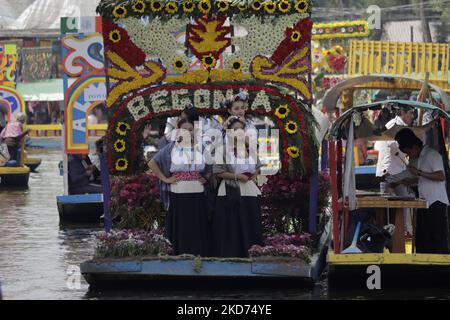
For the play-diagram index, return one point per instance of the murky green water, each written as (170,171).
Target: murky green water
(37,256)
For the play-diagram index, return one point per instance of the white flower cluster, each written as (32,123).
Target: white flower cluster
(158,38)
(219,98)
(261,100)
(202,99)
(262,37)
(137,108)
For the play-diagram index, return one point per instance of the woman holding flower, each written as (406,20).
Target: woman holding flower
(180,166)
(237,218)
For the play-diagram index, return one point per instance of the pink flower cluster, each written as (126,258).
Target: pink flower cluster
(291,251)
(130,243)
(303,239)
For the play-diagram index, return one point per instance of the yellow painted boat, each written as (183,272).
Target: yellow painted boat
(33,163)
(14,176)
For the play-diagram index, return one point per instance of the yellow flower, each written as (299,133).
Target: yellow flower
(291,127)
(119,145)
(223,5)
(236,65)
(284,6)
(302,6)
(119,12)
(188,6)
(139,6)
(171,7)
(121,164)
(256,5)
(242,6)
(122,128)
(114,36)
(204,6)
(282,111)
(270,6)
(156,6)
(179,65)
(296,36)
(293,152)
(209,61)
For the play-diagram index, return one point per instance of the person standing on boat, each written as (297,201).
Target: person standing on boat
(237,218)
(13,134)
(180,166)
(392,161)
(80,172)
(432,226)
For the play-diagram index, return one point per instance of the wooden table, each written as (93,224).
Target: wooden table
(382,203)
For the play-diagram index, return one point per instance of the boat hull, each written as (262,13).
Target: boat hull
(33,163)
(87,208)
(179,271)
(395,270)
(14,177)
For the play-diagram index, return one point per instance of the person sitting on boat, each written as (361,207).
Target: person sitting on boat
(392,161)
(13,134)
(80,170)
(432,226)
(180,166)
(95,160)
(237,217)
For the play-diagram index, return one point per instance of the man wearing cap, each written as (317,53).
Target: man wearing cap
(432,227)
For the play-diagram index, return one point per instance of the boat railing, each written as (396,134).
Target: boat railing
(55,130)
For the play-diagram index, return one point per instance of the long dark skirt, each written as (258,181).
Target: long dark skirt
(187,224)
(237,225)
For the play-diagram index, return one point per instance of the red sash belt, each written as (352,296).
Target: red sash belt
(187,176)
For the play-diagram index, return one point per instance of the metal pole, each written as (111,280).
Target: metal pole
(106,189)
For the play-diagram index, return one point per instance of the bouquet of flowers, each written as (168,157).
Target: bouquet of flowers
(135,202)
(131,243)
(284,245)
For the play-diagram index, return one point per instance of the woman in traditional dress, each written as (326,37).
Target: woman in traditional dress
(237,217)
(180,166)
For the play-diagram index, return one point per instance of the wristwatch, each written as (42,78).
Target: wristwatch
(419,173)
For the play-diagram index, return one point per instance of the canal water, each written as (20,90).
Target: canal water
(39,259)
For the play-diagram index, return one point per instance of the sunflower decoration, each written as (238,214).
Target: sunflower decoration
(121,164)
(270,6)
(284,6)
(139,6)
(296,36)
(236,65)
(293,152)
(115,36)
(120,145)
(282,111)
(291,127)
(188,6)
(209,61)
(242,6)
(256,5)
(156,6)
(204,6)
(120,12)
(122,128)
(301,6)
(171,7)
(180,65)
(223,5)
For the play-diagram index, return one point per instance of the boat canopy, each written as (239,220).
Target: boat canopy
(373,82)
(366,129)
